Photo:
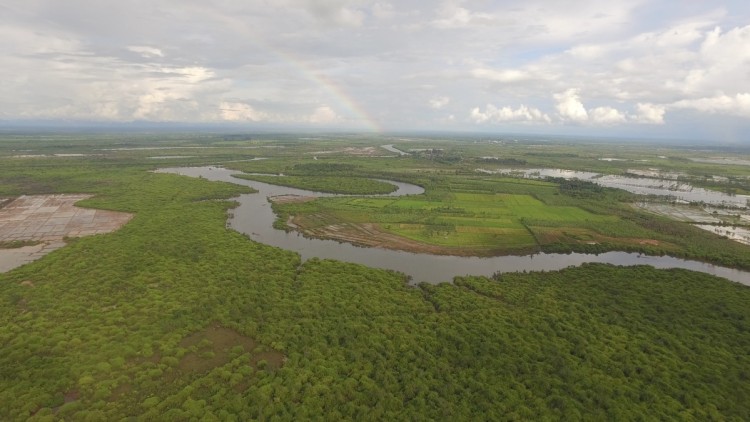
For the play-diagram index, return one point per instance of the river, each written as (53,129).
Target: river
(254,217)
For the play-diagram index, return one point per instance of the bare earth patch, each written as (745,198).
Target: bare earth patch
(48,219)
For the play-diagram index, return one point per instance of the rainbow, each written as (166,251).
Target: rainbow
(344,99)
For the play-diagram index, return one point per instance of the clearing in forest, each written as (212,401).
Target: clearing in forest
(34,225)
(461,223)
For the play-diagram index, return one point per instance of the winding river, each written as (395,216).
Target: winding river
(255,218)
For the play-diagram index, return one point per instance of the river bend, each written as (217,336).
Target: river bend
(254,217)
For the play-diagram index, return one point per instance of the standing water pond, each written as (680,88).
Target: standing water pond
(674,189)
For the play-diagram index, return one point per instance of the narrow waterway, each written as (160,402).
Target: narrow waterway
(255,218)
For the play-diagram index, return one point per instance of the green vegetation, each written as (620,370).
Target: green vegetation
(14,244)
(466,221)
(496,215)
(176,317)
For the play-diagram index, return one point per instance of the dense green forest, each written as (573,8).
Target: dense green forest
(177,317)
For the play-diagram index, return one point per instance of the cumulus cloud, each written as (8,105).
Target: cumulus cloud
(241,112)
(324,115)
(508,114)
(653,73)
(607,116)
(649,113)
(570,107)
(630,62)
(439,102)
(738,105)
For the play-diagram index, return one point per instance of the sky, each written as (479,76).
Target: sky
(677,68)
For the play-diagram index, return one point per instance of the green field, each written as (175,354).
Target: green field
(177,317)
(494,215)
(459,220)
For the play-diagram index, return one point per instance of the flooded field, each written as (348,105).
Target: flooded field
(53,155)
(738,234)
(718,221)
(722,160)
(710,210)
(48,219)
(657,174)
(681,212)
(672,189)
(391,148)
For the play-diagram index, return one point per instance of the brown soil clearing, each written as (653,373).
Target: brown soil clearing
(49,219)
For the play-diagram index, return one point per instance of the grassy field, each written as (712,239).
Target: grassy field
(469,215)
(474,221)
(506,215)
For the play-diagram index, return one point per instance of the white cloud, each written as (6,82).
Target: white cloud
(237,112)
(649,113)
(570,109)
(453,16)
(508,114)
(569,106)
(607,116)
(324,115)
(631,62)
(738,105)
(506,75)
(439,102)
(192,75)
(681,35)
(587,51)
(337,12)
(383,10)
(146,51)
(242,112)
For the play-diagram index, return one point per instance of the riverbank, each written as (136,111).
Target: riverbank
(254,217)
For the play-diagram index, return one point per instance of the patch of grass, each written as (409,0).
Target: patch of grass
(479,221)
(15,244)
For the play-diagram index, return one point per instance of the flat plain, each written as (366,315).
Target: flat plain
(175,316)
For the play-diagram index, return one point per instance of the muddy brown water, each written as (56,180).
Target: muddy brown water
(255,218)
